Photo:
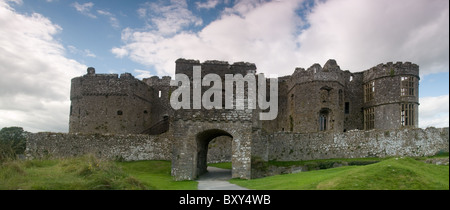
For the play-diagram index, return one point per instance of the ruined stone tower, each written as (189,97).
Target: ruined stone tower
(107,103)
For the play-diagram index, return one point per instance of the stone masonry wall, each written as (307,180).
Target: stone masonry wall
(280,146)
(285,146)
(108,146)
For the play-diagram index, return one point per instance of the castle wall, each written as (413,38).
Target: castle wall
(281,123)
(128,147)
(353,99)
(106,103)
(279,146)
(285,146)
(161,94)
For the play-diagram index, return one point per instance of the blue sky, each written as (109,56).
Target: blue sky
(45,43)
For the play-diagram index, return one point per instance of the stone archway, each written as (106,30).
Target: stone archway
(190,146)
(203,138)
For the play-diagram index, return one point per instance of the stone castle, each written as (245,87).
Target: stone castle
(323,112)
(313,100)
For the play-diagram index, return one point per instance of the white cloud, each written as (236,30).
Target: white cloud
(244,35)
(88,53)
(119,52)
(168,18)
(359,34)
(434,111)
(84,53)
(84,9)
(209,4)
(35,81)
(112,18)
(141,74)
(362,33)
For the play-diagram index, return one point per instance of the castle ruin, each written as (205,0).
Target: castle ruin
(312,100)
(323,112)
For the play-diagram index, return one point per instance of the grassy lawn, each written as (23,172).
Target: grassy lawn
(225,165)
(390,174)
(156,175)
(88,173)
(82,173)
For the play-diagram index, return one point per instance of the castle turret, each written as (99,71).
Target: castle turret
(107,103)
(391,96)
(316,98)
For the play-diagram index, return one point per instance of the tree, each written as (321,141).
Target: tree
(12,142)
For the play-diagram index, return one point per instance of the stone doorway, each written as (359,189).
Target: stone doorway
(203,139)
(190,147)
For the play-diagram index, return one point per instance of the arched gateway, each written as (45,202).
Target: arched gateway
(192,136)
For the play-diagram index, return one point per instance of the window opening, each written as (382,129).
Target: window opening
(323,120)
(347,108)
(407,114)
(369,90)
(407,86)
(369,119)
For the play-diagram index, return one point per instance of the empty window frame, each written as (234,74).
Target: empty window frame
(347,108)
(407,85)
(369,90)
(369,118)
(323,120)
(407,114)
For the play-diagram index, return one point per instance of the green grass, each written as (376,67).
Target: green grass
(327,163)
(225,165)
(390,174)
(82,173)
(156,174)
(88,173)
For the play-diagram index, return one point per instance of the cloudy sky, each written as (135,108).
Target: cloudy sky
(45,43)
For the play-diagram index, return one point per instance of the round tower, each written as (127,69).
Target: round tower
(316,98)
(391,96)
(107,103)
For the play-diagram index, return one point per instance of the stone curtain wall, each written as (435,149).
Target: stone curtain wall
(280,146)
(286,146)
(116,147)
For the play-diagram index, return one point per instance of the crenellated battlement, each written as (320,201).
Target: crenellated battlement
(391,69)
(185,66)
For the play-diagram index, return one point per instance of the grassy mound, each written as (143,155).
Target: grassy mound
(391,174)
(89,173)
(82,173)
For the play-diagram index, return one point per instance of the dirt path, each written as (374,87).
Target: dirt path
(217,179)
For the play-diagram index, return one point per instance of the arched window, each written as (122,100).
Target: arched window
(323,120)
